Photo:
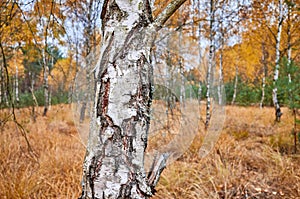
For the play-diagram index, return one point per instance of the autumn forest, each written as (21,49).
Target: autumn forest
(228,68)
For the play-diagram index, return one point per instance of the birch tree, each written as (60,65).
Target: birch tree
(114,161)
(265,68)
(278,112)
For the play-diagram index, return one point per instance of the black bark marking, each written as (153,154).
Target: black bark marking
(103,94)
(148,12)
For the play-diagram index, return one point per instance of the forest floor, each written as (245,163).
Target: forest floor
(253,158)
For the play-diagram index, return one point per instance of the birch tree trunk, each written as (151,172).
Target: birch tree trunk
(35,103)
(235,85)
(210,64)
(200,53)
(220,83)
(114,162)
(45,82)
(278,112)
(17,82)
(182,85)
(264,62)
(89,52)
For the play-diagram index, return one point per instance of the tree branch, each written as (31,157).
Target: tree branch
(167,13)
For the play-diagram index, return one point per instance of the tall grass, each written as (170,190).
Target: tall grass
(252,159)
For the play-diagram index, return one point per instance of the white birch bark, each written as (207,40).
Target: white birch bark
(199,93)
(264,76)
(181,67)
(114,162)
(278,112)
(235,85)
(220,83)
(35,104)
(5,90)
(263,91)
(200,53)
(289,35)
(182,85)
(210,64)
(16,81)
(45,82)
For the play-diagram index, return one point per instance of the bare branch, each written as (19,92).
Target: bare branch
(167,13)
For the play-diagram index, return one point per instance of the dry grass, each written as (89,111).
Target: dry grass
(252,159)
(56,171)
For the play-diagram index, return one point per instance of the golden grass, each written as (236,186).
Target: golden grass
(56,171)
(245,162)
(252,159)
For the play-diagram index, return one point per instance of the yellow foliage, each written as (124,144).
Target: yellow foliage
(63,73)
(16,62)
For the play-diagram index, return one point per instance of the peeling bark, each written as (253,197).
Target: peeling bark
(114,162)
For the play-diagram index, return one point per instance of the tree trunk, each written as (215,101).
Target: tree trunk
(263,91)
(289,49)
(114,162)
(220,83)
(46,84)
(199,93)
(182,85)
(235,85)
(210,64)
(35,103)
(264,62)
(278,112)
(17,82)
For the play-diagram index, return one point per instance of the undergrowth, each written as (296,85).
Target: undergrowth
(252,159)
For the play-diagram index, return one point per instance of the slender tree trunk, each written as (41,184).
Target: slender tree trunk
(3,85)
(114,162)
(263,91)
(5,92)
(278,112)
(181,67)
(182,85)
(220,83)
(84,103)
(199,93)
(235,85)
(200,52)
(289,48)
(289,36)
(210,64)
(17,82)
(46,83)
(264,62)
(35,103)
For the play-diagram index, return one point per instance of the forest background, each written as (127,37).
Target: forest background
(48,46)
